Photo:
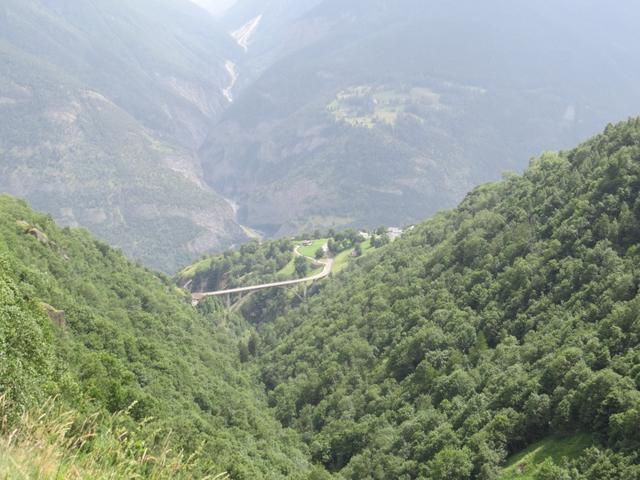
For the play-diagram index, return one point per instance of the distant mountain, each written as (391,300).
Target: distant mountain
(103,105)
(268,30)
(136,119)
(376,112)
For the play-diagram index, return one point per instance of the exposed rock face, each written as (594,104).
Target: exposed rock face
(23,225)
(56,316)
(38,235)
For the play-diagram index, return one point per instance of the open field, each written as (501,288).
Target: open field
(289,270)
(367,105)
(310,251)
(525,465)
(342,260)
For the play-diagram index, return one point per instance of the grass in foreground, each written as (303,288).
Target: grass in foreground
(524,465)
(53,444)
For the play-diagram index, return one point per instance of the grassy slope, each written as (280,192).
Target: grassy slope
(524,465)
(341,260)
(253,273)
(288,272)
(48,443)
(367,247)
(310,251)
(252,263)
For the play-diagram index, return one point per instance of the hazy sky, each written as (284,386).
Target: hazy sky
(215,6)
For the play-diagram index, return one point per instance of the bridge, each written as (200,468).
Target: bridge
(241,291)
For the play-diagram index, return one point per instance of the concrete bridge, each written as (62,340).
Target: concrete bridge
(241,291)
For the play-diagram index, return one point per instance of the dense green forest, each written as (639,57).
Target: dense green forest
(125,338)
(511,319)
(498,341)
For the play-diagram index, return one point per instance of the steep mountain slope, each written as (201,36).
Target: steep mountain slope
(121,337)
(103,104)
(385,112)
(513,317)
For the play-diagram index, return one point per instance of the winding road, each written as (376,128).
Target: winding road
(328,265)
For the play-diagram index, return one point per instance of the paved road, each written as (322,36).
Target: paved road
(328,265)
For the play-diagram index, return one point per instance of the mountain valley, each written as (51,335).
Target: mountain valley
(319,240)
(509,322)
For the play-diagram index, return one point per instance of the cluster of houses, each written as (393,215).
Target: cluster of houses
(393,233)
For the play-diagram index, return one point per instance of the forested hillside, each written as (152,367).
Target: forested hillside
(513,319)
(165,316)
(122,338)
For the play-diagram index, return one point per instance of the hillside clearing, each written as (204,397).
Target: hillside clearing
(310,250)
(525,465)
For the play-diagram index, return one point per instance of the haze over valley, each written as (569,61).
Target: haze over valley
(137,121)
